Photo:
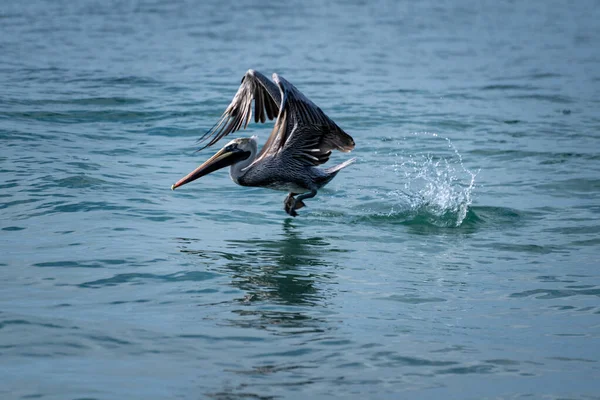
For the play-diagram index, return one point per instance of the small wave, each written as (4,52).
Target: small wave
(552,98)
(83,116)
(80,181)
(133,81)
(421,216)
(508,87)
(87,101)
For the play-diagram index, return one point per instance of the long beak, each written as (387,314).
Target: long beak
(222,159)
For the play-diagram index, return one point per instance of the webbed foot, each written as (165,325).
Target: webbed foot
(289,205)
(299,204)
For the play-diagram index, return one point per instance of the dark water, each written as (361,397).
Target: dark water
(459,258)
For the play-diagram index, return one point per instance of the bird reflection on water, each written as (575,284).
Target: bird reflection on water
(285,281)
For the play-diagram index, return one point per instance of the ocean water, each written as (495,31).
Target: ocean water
(459,258)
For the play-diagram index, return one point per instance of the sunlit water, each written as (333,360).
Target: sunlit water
(458,258)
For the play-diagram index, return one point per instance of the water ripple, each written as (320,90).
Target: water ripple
(547,294)
(142,278)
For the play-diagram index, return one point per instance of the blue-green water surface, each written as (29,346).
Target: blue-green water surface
(457,259)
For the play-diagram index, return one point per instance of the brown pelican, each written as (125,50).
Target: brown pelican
(302,139)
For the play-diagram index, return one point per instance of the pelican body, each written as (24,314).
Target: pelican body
(302,138)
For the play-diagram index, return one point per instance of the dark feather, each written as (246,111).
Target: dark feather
(303,131)
(254,87)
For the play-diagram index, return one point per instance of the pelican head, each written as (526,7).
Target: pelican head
(234,152)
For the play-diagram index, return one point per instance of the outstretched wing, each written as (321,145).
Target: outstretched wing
(254,86)
(302,130)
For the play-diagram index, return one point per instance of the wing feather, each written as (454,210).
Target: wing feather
(254,87)
(303,130)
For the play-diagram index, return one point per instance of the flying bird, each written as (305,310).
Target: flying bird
(302,139)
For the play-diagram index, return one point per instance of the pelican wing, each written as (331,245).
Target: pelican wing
(302,130)
(254,86)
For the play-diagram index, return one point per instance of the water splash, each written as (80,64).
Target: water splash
(437,188)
